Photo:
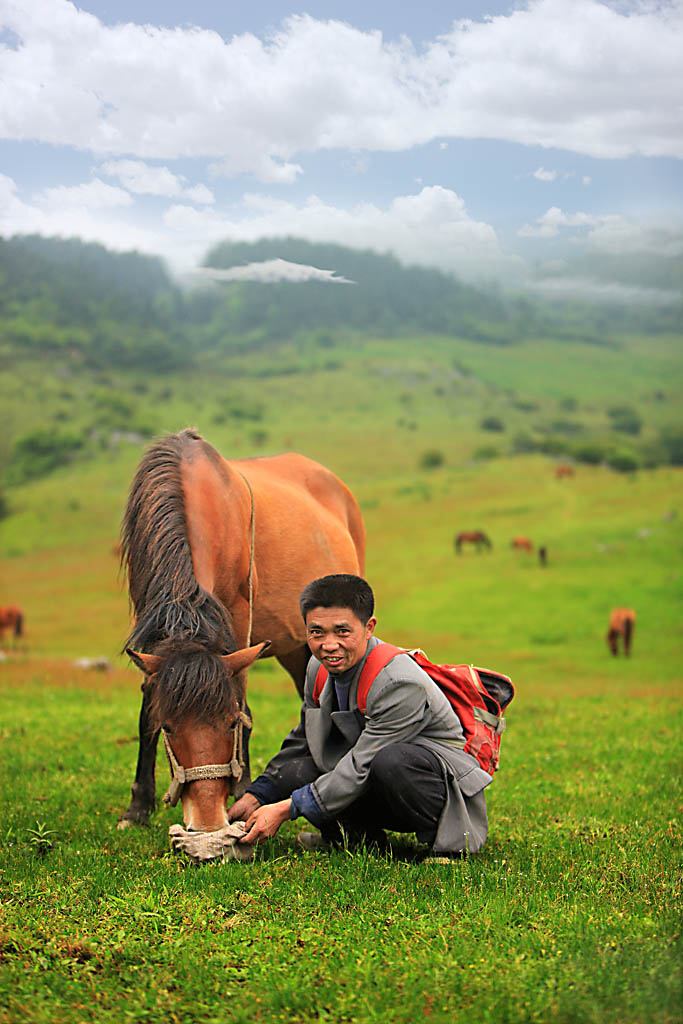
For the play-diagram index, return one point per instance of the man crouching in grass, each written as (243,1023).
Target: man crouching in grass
(398,766)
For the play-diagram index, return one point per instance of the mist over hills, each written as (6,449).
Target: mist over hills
(99,348)
(125,309)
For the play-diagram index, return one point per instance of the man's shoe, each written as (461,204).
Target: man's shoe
(313,841)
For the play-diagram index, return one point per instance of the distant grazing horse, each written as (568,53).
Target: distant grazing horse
(476,537)
(622,622)
(217,553)
(12,618)
(563,470)
(522,544)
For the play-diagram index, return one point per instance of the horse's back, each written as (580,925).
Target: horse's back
(619,617)
(318,509)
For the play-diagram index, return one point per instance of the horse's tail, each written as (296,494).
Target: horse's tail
(628,633)
(19,624)
(486,540)
(458,544)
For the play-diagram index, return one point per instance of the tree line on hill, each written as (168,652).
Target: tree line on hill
(125,310)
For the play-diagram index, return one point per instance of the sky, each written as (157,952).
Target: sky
(482,138)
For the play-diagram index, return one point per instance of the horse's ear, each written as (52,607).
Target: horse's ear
(147,663)
(239,660)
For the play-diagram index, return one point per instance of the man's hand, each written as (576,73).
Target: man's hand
(265,821)
(243,808)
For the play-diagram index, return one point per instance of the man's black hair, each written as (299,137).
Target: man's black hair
(341,590)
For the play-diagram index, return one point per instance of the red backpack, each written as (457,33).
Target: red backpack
(477,696)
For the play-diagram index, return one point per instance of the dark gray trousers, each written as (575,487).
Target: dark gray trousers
(406,792)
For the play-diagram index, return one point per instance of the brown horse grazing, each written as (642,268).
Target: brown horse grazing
(476,537)
(521,544)
(217,553)
(622,622)
(563,470)
(12,618)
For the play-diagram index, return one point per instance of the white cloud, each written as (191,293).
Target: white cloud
(80,212)
(582,75)
(542,175)
(566,287)
(94,195)
(144,179)
(431,228)
(617,235)
(586,180)
(550,223)
(609,233)
(272,271)
(200,194)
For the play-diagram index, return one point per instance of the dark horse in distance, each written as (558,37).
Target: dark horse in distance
(476,537)
(622,622)
(217,553)
(12,618)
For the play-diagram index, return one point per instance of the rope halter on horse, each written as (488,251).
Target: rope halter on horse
(234,768)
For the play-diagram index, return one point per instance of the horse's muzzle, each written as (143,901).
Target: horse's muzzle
(223,844)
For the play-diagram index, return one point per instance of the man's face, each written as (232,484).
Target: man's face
(337,637)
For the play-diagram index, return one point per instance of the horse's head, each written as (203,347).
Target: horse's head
(198,700)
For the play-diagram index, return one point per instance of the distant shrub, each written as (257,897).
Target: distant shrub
(567,426)
(623,462)
(524,405)
(432,459)
(492,423)
(671,441)
(625,419)
(568,403)
(325,340)
(38,453)
(523,443)
(259,437)
(554,446)
(4,506)
(486,451)
(593,454)
(242,411)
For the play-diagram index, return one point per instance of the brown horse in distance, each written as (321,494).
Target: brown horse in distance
(622,622)
(522,544)
(11,617)
(476,537)
(217,553)
(563,470)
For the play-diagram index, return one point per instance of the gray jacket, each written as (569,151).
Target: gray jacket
(404,706)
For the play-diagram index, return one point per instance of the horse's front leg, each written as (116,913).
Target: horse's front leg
(142,802)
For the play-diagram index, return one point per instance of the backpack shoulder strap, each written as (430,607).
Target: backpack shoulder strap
(378,658)
(320,680)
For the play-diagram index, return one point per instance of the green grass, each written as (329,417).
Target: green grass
(570,913)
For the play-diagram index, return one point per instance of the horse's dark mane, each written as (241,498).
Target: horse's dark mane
(168,602)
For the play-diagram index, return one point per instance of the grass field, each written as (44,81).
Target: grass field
(571,912)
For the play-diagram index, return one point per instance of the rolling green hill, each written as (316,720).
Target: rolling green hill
(100,350)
